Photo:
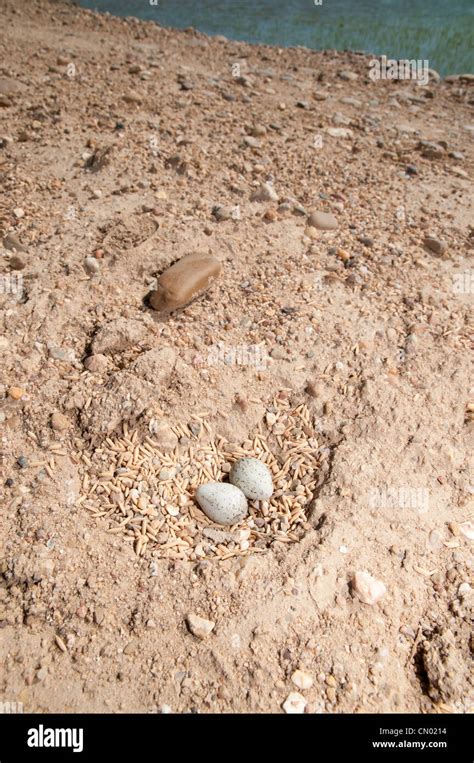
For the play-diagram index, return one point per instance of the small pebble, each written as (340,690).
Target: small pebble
(302,680)
(16,393)
(92,265)
(435,245)
(467,529)
(367,588)
(199,626)
(16,262)
(265,192)
(13,243)
(59,422)
(294,704)
(322,221)
(22,462)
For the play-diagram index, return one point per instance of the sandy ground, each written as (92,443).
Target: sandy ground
(124,147)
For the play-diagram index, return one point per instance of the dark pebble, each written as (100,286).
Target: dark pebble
(22,462)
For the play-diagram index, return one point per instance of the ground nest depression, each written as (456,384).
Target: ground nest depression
(147,495)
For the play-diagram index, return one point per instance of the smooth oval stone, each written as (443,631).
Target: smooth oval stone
(187,279)
(221,502)
(322,221)
(253,477)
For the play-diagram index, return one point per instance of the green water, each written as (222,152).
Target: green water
(441,31)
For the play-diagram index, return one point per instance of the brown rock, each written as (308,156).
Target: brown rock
(16,393)
(435,245)
(59,422)
(322,221)
(184,281)
(13,243)
(132,97)
(16,262)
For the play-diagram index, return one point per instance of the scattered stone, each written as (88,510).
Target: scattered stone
(184,281)
(16,393)
(339,132)
(302,680)
(258,131)
(435,245)
(367,588)
(366,241)
(92,265)
(294,704)
(349,101)
(410,169)
(13,243)
(16,262)
(96,363)
(252,142)
(58,353)
(265,192)
(19,212)
(132,97)
(322,221)
(270,215)
(253,477)
(59,422)
(277,353)
(467,529)
(22,462)
(348,76)
(199,626)
(223,503)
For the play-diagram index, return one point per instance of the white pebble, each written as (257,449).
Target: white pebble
(302,680)
(467,529)
(253,477)
(367,588)
(221,502)
(294,704)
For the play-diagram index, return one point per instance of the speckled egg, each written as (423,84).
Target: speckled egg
(221,502)
(253,477)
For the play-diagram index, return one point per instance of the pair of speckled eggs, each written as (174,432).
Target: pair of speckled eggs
(226,502)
